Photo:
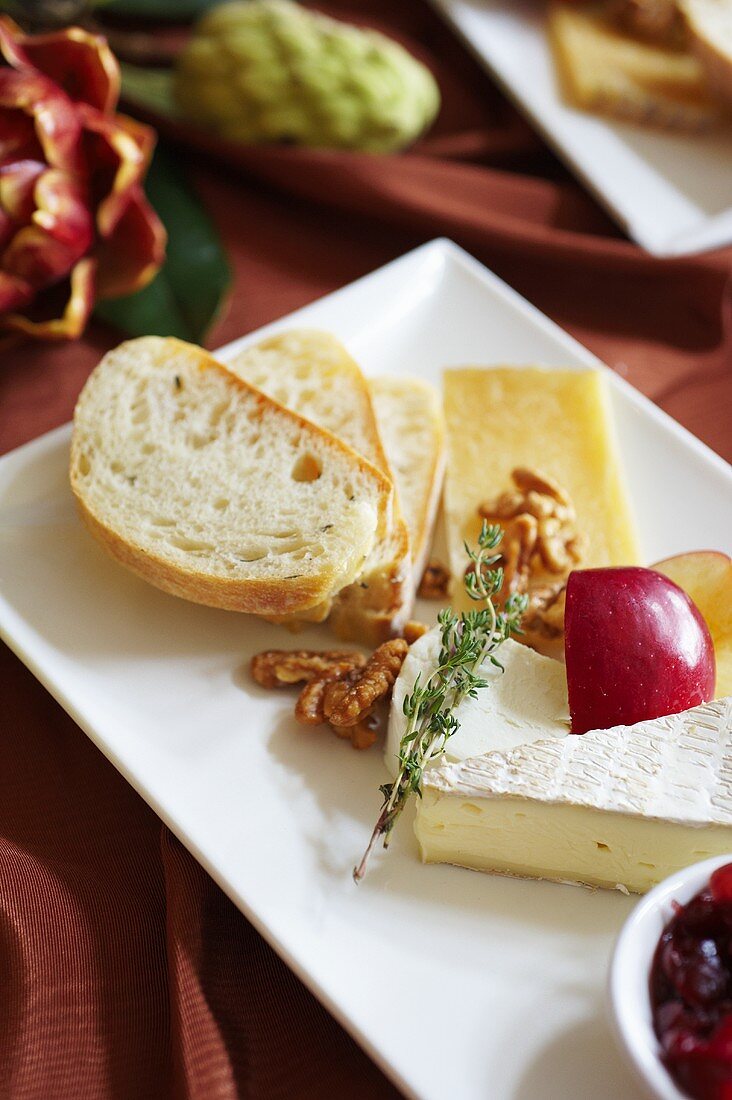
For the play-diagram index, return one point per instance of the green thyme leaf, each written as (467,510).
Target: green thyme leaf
(466,641)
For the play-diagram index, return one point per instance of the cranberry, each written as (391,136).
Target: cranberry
(691,991)
(720,884)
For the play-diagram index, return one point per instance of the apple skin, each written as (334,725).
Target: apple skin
(636,647)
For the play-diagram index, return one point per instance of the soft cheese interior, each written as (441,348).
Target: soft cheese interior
(526,702)
(620,807)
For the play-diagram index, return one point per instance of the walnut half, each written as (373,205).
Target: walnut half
(541,545)
(276,668)
(353,698)
(545,613)
(341,687)
(435,582)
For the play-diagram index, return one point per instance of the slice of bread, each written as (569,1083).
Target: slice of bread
(709,24)
(311,373)
(603,69)
(412,425)
(205,487)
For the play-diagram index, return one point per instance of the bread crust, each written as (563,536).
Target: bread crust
(256,597)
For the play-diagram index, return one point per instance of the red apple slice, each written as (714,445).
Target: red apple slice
(636,647)
(706,575)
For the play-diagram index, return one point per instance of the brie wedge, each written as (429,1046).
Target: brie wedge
(525,702)
(623,807)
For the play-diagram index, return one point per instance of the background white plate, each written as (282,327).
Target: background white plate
(460,985)
(672,193)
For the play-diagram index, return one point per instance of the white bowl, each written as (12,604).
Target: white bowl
(630,967)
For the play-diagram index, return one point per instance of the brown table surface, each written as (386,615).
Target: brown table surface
(126,972)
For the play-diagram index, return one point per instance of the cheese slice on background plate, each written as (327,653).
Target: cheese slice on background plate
(623,807)
(526,702)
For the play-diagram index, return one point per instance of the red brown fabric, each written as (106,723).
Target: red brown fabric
(126,972)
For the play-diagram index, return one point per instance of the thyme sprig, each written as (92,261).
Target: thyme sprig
(467,640)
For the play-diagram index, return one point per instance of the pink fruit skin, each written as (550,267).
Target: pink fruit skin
(636,647)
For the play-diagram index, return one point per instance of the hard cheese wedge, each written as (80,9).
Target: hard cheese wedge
(555,421)
(623,807)
(525,702)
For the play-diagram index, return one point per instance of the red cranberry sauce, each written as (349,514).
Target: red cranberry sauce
(691,991)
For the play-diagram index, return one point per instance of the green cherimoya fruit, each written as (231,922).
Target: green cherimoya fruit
(261,71)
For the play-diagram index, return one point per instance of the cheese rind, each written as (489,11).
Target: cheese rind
(628,805)
(526,702)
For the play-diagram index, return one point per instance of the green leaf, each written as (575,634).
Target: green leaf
(178,11)
(150,88)
(186,295)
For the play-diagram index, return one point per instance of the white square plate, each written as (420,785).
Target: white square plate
(670,192)
(458,984)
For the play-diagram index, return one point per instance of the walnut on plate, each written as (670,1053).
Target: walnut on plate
(414,630)
(283,667)
(309,708)
(341,688)
(435,582)
(363,735)
(541,545)
(351,699)
(545,612)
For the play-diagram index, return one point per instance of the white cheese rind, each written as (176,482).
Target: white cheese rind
(626,806)
(527,702)
(677,768)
